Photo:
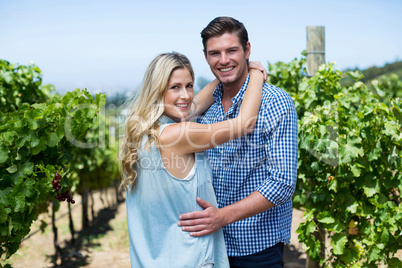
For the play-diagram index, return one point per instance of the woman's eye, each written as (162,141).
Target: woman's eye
(190,86)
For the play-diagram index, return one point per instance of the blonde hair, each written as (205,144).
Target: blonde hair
(145,110)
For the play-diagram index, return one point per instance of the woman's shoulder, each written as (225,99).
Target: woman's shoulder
(171,134)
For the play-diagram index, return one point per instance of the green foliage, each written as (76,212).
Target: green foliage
(21,84)
(349,171)
(96,167)
(387,87)
(288,75)
(35,141)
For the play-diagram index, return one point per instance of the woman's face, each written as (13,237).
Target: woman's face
(179,94)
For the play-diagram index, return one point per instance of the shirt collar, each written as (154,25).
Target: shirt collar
(239,96)
(218,92)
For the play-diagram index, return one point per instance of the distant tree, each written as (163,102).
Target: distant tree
(374,72)
(202,82)
(117,99)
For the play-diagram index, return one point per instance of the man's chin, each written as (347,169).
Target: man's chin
(227,78)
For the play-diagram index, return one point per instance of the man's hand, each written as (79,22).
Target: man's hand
(200,223)
(211,219)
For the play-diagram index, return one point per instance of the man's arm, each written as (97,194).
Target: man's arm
(211,219)
(278,187)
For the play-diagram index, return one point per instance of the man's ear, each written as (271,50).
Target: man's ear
(248,50)
(205,54)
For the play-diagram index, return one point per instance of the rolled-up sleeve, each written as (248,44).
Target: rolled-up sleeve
(280,127)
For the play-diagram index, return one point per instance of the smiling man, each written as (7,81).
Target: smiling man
(254,176)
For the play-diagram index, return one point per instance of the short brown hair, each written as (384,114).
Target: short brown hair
(222,25)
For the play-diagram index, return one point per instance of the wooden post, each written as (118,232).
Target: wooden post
(316,57)
(315,48)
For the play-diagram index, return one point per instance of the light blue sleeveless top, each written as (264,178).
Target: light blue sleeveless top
(153,211)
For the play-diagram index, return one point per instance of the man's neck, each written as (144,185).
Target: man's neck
(229,92)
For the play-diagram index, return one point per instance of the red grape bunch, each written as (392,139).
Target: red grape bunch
(57,187)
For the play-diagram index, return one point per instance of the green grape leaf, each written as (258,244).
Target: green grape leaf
(32,118)
(325,217)
(19,202)
(4,214)
(385,236)
(53,140)
(3,154)
(371,187)
(4,195)
(28,187)
(356,169)
(353,207)
(355,75)
(375,254)
(12,169)
(338,243)
(27,168)
(8,78)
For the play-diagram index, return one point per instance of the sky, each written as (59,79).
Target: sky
(106,46)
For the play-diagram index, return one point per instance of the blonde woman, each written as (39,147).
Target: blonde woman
(164,167)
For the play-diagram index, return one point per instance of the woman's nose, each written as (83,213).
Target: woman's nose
(184,94)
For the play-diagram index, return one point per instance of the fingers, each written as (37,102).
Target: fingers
(202,233)
(199,223)
(265,75)
(194,215)
(258,66)
(196,227)
(197,230)
(203,203)
(194,222)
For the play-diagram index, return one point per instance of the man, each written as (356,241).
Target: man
(254,176)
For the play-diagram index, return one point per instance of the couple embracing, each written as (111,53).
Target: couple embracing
(217,191)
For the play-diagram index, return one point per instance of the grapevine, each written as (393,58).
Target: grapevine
(350,163)
(34,146)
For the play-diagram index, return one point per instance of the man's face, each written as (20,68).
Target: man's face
(227,59)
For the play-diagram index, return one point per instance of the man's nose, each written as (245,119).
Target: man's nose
(224,59)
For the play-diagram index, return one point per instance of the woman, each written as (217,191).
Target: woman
(170,171)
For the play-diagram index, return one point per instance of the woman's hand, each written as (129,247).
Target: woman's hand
(258,66)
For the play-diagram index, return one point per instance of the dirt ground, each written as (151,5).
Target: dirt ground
(105,243)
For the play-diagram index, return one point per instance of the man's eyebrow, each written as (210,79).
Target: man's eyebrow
(212,50)
(216,50)
(234,47)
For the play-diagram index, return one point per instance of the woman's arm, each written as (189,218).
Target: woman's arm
(189,137)
(204,99)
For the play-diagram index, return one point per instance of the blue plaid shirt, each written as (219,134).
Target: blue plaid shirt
(264,161)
